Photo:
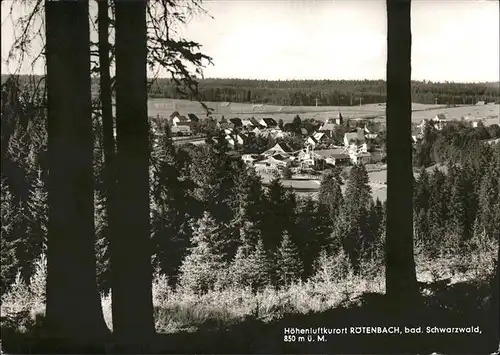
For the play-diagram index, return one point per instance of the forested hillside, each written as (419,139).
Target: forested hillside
(323,92)
(328,92)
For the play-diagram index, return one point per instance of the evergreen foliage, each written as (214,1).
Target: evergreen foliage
(289,267)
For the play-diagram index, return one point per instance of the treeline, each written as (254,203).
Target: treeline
(328,92)
(322,92)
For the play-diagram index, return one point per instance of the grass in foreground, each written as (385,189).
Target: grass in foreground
(456,292)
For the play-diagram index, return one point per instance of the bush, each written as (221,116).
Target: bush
(23,304)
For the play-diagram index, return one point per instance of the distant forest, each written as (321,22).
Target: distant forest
(327,92)
(322,92)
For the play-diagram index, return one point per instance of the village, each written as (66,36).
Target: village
(323,144)
(311,149)
(303,150)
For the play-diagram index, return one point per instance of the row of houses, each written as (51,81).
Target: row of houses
(439,121)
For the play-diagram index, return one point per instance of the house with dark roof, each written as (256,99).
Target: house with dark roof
(181,121)
(174,114)
(334,156)
(255,122)
(247,123)
(317,138)
(193,117)
(268,122)
(236,121)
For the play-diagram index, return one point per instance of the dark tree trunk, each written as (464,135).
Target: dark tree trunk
(131,252)
(401,281)
(107,117)
(73,302)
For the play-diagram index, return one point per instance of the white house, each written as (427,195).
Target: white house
(354,138)
(360,157)
(439,121)
(179,120)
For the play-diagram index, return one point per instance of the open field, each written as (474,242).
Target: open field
(165,107)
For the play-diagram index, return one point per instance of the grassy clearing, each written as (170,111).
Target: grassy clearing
(177,311)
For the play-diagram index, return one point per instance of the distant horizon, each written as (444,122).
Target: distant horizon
(284,80)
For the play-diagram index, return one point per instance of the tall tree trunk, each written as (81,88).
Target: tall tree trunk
(401,281)
(73,302)
(107,117)
(131,252)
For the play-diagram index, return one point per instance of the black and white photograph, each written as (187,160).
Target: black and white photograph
(250,177)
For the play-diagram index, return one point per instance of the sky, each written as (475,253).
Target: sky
(452,40)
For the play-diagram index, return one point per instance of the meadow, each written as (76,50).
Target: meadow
(165,107)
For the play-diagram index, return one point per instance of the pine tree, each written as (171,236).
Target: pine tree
(251,266)
(462,205)
(330,195)
(9,263)
(311,232)
(247,204)
(36,226)
(201,269)
(213,177)
(353,229)
(169,208)
(275,217)
(289,267)
(438,207)
(489,198)
(421,199)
